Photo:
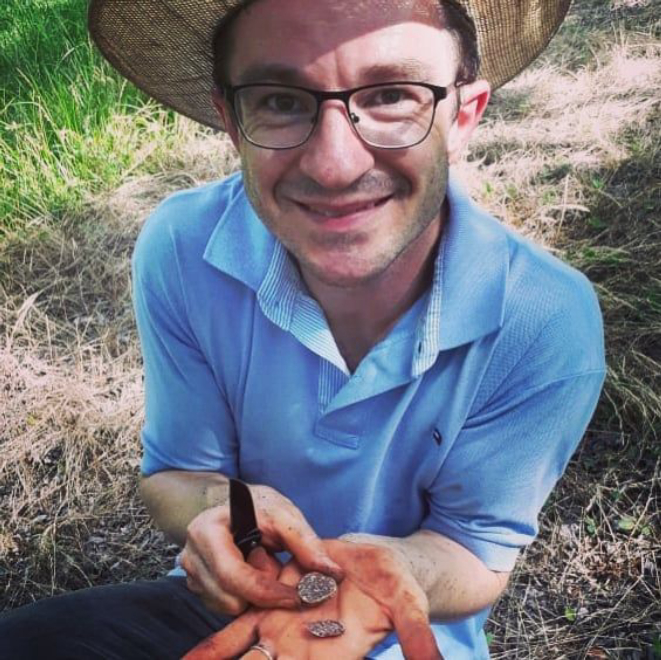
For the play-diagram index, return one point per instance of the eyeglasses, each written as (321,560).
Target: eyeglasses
(394,115)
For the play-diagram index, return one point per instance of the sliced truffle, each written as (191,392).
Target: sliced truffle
(314,588)
(326,628)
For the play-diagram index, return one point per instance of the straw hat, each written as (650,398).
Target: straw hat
(165,46)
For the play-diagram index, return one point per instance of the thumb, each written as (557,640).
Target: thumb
(418,642)
(414,632)
(309,550)
(283,526)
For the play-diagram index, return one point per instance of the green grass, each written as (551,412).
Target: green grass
(65,131)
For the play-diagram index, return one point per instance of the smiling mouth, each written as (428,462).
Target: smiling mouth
(326,211)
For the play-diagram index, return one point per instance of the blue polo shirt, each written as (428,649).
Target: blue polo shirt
(459,421)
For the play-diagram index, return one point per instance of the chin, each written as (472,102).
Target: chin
(343,277)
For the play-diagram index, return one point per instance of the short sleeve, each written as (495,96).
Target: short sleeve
(188,423)
(503,465)
(517,441)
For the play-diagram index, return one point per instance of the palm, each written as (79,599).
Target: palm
(370,602)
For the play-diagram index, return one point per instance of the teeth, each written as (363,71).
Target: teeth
(341,212)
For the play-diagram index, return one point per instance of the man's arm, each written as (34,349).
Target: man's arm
(175,497)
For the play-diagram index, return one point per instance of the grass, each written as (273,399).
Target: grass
(70,128)
(569,153)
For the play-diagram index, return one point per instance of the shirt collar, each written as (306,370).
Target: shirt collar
(467,299)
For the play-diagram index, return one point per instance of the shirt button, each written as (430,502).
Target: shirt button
(438,437)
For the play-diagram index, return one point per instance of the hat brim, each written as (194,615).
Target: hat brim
(165,46)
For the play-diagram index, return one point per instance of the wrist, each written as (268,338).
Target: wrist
(392,547)
(389,552)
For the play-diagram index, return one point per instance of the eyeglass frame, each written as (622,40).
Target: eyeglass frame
(440,93)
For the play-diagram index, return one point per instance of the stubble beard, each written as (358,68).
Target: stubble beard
(428,210)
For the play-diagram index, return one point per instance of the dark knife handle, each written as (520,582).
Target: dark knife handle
(248,542)
(243,520)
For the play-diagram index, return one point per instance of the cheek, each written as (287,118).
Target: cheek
(438,137)
(423,163)
(256,190)
(263,170)
(256,179)
(436,153)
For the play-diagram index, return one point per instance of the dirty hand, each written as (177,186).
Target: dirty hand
(377,595)
(217,572)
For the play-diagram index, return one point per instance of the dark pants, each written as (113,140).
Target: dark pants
(155,620)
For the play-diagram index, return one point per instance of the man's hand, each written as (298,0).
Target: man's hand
(377,595)
(225,582)
(378,573)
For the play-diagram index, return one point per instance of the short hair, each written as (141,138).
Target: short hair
(452,13)
(461,26)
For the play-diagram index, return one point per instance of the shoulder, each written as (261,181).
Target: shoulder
(552,301)
(547,324)
(187,215)
(178,230)
(551,332)
(551,329)
(516,291)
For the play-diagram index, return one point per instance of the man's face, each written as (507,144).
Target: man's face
(347,211)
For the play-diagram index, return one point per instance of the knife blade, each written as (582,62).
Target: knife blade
(243,521)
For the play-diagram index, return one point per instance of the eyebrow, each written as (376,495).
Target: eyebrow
(271,73)
(409,69)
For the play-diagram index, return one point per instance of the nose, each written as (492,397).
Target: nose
(334,156)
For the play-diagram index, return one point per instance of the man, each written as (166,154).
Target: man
(339,326)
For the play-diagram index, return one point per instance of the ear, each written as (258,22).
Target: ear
(226,116)
(473,102)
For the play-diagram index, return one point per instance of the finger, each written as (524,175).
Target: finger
(264,562)
(291,573)
(203,584)
(258,583)
(414,632)
(232,640)
(255,654)
(226,575)
(308,549)
(284,526)
(260,587)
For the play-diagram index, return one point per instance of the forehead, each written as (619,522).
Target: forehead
(342,41)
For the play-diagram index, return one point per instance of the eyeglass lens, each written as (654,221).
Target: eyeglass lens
(392,116)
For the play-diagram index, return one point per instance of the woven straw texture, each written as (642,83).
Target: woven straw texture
(164,46)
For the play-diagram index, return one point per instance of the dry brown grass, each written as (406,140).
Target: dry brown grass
(569,154)
(71,392)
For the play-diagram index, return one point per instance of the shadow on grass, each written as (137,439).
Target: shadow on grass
(590,584)
(617,245)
